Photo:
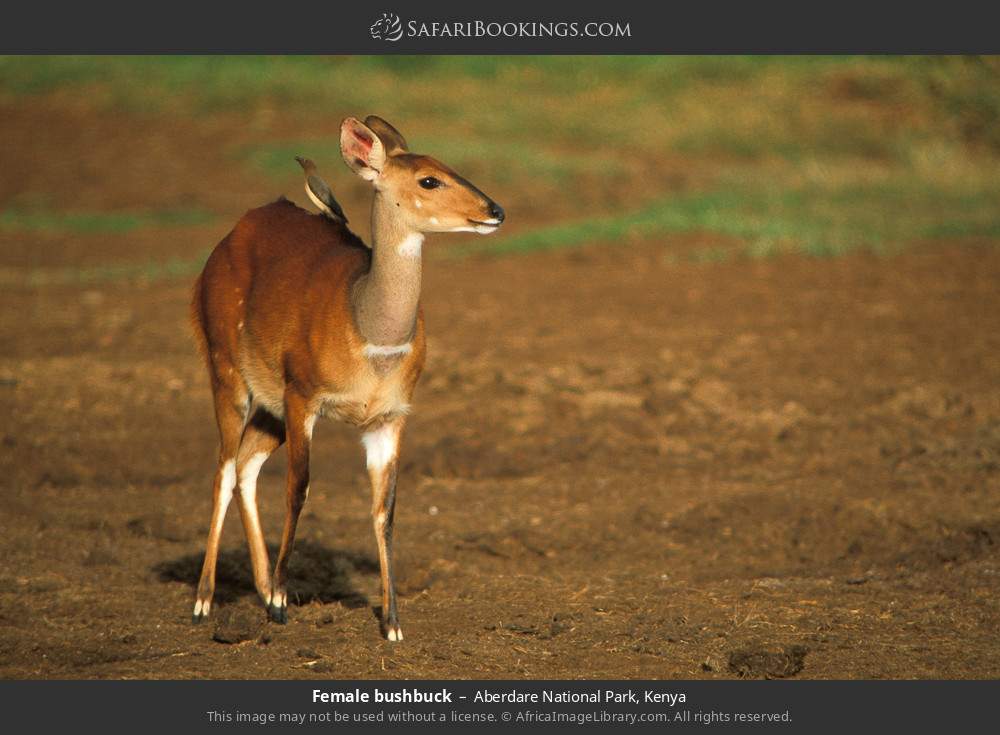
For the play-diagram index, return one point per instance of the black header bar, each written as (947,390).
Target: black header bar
(513,26)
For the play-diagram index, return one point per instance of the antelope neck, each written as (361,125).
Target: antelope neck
(387,297)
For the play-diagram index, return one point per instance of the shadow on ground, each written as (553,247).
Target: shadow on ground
(316,574)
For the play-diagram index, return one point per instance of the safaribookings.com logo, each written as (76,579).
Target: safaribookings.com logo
(390,28)
(387,28)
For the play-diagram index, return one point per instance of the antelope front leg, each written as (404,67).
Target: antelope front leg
(382,449)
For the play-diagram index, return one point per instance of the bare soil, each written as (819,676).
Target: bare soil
(619,465)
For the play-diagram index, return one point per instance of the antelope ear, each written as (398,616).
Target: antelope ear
(361,148)
(391,138)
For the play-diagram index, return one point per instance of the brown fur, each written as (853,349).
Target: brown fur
(273,308)
(283,313)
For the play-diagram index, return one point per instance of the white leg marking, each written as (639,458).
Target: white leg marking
(380,445)
(248,490)
(227,485)
(248,477)
(411,245)
(309,424)
(395,635)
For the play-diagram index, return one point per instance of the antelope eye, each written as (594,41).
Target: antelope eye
(429,182)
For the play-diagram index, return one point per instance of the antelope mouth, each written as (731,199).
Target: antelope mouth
(484,227)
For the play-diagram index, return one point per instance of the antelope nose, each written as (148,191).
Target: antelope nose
(496,212)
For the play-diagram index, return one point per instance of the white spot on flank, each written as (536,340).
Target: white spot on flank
(240,325)
(434,221)
(380,446)
(417,204)
(411,245)
(387,350)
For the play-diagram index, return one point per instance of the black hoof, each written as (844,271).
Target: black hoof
(197,618)
(278,614)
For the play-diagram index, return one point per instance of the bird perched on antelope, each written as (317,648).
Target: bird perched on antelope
(320,193)
(298,319)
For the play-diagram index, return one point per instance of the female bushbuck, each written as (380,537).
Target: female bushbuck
(299,319)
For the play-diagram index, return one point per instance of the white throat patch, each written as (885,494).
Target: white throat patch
(387,350)
(411,245)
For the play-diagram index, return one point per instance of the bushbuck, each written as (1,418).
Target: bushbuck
(298,319)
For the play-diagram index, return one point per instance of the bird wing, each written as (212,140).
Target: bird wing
(319,192)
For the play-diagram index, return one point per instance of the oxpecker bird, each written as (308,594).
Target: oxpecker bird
(319,192)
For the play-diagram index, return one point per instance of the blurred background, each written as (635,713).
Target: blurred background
(720,399)
(806,154)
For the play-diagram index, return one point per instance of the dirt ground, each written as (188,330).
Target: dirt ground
(620,465)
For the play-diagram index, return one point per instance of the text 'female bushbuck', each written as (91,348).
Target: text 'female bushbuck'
(299,319)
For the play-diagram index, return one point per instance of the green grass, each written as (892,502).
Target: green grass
(154,84)
(594,110)
(813,221)
(507,161)
(45,221)
(111,273)
(816,155)
(764,222)
(228,80)
(693,99)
